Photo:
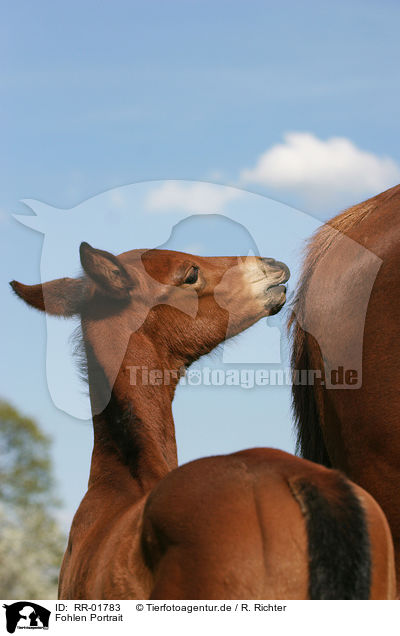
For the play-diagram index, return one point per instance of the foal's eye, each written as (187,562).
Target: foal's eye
(192,276)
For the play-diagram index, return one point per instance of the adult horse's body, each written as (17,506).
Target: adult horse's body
(255,524)
(347,308)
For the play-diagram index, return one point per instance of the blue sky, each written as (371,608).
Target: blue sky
(99,95)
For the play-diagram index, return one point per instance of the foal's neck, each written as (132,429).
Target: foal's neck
(134,436)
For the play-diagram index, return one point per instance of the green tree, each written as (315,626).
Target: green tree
(31,543)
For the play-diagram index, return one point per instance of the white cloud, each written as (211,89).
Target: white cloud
(194,198)
(320,170)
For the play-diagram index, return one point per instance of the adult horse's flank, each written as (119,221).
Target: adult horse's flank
(255,524)
(347,308)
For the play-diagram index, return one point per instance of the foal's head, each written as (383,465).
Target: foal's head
(183,305)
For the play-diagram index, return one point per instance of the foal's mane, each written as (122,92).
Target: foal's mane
(79,354)
(310,443)
(119,416)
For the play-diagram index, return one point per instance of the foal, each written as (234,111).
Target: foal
(256,524)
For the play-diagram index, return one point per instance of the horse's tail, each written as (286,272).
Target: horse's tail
(339,549)
(310,442)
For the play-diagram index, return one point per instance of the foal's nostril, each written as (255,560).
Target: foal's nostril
(278,266)
(285,268)
(269,261)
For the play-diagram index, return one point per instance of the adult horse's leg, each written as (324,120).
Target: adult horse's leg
(362,427)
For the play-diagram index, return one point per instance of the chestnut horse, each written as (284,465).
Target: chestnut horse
(347,307)
(255,524)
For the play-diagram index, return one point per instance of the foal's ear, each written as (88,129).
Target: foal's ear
(106,271)
(61,297)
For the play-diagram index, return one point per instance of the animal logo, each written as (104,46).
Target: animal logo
(247,224)
(26,615)
(124,217)
(194,377)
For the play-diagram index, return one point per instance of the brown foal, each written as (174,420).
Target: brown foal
(255,524)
